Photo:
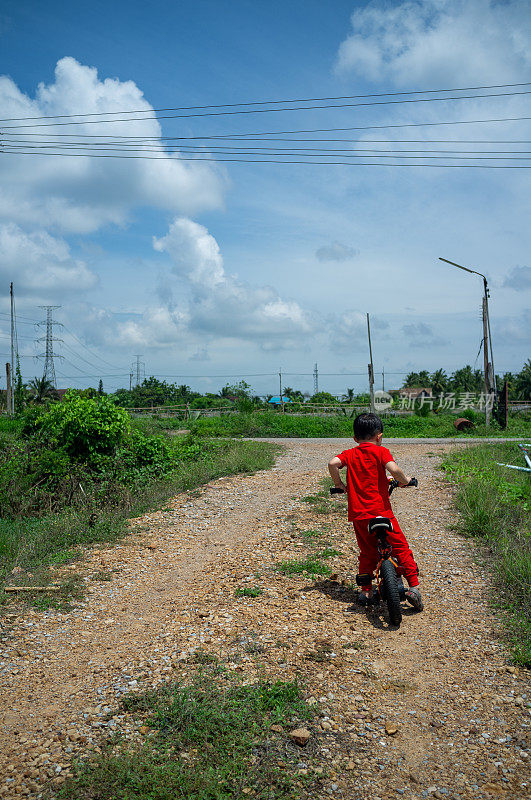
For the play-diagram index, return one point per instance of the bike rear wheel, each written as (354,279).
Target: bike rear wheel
(389,579)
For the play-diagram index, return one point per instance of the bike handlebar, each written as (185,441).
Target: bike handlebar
(394,484)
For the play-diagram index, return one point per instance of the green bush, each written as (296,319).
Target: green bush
(84,426)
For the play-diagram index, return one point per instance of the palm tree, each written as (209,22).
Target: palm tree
(439,381)
(523,382)
(349,396)
(41,390)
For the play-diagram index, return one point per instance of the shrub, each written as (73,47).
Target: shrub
(84,426)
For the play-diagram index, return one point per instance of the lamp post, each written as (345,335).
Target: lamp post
(488,367)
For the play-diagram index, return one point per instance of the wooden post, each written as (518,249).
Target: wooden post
(9,395)
(280,384)
(370,367)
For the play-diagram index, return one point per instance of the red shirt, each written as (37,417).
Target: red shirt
(367,484)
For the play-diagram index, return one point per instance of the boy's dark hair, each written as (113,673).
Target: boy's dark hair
(366,425)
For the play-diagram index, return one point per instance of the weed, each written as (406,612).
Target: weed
(249,591)
(329,552)
(208,743)
(354,646)
(495,505)
(311,566)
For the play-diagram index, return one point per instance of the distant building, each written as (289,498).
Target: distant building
(415,392)
(276,401)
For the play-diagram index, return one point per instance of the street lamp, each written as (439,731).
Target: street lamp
(489,374)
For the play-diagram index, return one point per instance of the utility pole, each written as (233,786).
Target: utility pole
(315,379)
(370,367)
(48,355)
(383,379)
(12,348)
(280,385)
(9,395)
(130,381)
(488,366)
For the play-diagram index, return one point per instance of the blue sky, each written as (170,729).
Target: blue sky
(224,269)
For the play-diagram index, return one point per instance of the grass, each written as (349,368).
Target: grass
(249,591)
(278,425)
(208,741)
(309,566)
(32,542)
(495,507)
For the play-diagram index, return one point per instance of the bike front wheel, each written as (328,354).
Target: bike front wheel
(389,580)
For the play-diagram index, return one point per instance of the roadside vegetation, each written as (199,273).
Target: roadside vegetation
(495,508)
(72,472)
(277,425)
(212,739)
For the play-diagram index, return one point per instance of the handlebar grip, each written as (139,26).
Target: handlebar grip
(413,482)
(336,490)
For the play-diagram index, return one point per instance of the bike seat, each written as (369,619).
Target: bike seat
(379,525)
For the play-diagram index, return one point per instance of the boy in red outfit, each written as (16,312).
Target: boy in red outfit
(367,490)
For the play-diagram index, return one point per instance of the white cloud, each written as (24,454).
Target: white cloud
(41,265)
(194,252)
(437,43)
(83,194)
(349,330)
(220,304)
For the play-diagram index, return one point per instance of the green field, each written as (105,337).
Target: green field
(495,509)
(277,425)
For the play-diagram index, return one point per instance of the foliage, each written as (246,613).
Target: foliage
(309,566)
(154,392)
(522,384)
(495,505)
(323,399)
(277,425)
(41,390)
(20,391)
(84,427)
(223,730)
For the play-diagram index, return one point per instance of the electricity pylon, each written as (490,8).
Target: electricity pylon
(48,355)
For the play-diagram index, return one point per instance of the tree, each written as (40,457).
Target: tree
(467,380)
(439,381)
(349,396)
(236,391)
(41,391)
(20,393)
(324,399)
(293,394)
(100,388)
(523,382)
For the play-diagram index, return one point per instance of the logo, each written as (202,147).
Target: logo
(382,400)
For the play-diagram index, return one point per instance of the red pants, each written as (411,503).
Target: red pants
(401,553)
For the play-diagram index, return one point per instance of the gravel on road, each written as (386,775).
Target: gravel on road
(432,709)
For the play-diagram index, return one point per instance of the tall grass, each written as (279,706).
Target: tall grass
(278,425)
(495,507)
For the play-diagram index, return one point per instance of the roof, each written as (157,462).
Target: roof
(277,401)
(415,391)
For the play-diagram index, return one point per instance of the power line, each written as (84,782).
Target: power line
(301,131)
(267,110)
(259,161)
(115,147)
(266,102)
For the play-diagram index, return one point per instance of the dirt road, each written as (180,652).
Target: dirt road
(443,680)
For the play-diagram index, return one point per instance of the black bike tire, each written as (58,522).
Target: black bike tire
(389,580)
